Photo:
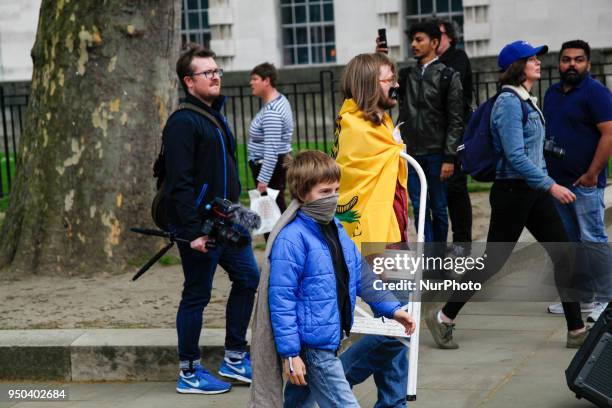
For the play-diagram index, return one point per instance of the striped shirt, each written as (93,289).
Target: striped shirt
(270,135)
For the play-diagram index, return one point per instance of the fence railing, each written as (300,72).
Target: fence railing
(315,105)
(12,121)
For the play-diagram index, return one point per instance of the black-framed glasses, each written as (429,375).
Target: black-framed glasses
(210,74)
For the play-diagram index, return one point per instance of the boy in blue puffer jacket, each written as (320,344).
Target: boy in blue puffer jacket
(315,276)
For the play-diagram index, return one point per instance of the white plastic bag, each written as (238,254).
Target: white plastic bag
(265,206)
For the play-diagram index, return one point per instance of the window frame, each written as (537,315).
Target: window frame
(309,30)
(451,15)
(202,32)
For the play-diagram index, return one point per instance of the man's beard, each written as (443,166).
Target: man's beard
(572,77)
(386,103)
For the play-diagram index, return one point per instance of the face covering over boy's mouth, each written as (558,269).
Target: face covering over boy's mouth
(321,210)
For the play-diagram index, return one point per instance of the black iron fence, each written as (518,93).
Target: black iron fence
(315,105)
(13,103)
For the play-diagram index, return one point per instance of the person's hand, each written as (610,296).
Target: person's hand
(403,318)
(586,180)
(262,187)
(380,47)
(199,244)
(298,376)
(562,194)
(447,171)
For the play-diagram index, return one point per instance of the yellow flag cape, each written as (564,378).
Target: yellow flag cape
(370,165)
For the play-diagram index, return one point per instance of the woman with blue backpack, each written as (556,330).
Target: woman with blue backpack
(522,193)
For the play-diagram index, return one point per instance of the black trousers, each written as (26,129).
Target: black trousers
(514,206)
(459,206)
(278,180)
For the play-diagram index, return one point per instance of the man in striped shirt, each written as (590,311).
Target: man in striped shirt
(270,133)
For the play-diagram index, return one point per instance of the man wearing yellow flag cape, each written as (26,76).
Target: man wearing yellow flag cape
(373,200)
(373,204)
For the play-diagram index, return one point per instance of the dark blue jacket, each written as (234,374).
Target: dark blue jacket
(302,294)
(200,165)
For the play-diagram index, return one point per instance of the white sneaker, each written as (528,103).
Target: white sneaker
(557,308)
(597,310)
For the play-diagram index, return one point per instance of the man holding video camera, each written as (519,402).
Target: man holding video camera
(200,153)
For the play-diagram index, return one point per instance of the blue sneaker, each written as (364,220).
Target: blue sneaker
(200,382)
(239,370)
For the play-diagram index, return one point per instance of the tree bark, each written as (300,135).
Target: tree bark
(102,87)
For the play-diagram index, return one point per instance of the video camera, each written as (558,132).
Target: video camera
(229,222)
(224,222)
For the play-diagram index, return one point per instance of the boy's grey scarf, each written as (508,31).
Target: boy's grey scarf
(321,210)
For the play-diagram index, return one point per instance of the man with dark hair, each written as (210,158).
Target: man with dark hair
(270,133)
(200,153)
(578,112)
(266,71)
(459,204)
(431,110)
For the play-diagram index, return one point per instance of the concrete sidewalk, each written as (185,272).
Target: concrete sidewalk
(512,355)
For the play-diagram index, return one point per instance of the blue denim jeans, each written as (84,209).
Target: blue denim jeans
(327,385)
(584,223)
(199,270)
(436,213)
(383,357)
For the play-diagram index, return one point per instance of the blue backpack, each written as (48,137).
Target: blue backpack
(477,155)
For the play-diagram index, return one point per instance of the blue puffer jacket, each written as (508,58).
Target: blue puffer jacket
(303,296)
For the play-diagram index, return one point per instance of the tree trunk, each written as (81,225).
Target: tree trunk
(102,87)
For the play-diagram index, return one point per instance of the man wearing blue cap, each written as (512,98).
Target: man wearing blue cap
(578,112)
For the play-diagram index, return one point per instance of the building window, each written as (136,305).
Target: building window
(308,31)
(194,22)
(418,10)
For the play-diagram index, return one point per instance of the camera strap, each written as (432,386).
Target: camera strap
(207,115)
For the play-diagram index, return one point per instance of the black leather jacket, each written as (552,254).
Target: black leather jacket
(431,107)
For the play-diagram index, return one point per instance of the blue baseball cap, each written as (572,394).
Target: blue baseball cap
(518,50)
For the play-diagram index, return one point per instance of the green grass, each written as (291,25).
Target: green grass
(169,260)
(246,178)
(4,179)
(477,186)
(166,260)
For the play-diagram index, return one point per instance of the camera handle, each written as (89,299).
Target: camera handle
(153,260)
(158,255)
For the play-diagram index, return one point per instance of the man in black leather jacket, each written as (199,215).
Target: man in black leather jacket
(431,109)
